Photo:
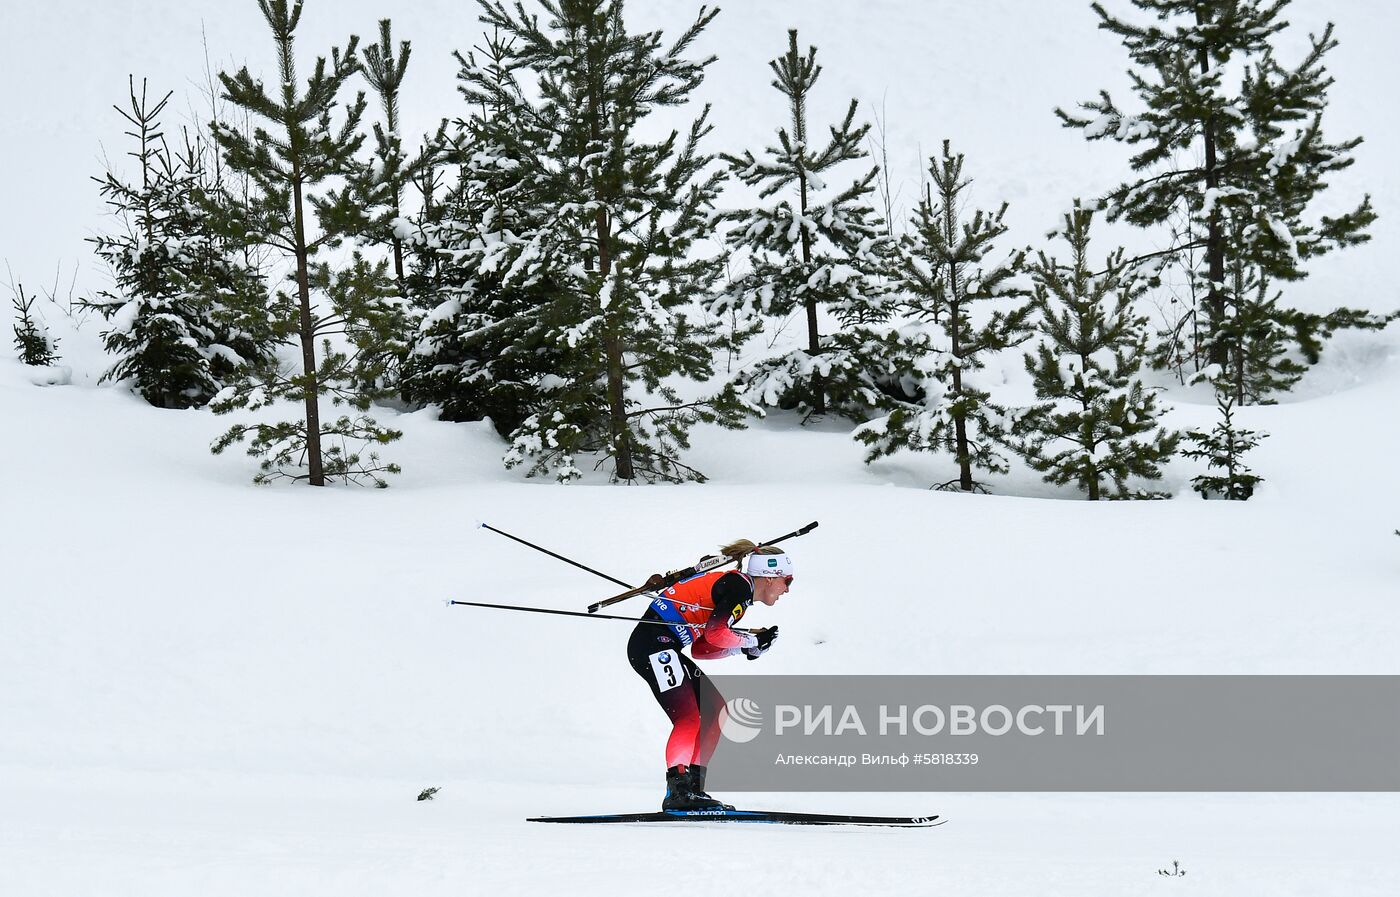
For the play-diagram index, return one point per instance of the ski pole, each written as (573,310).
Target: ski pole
(568,613)
(655,581)
(664,582)
(554,555)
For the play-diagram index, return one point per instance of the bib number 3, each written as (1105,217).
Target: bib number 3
(666,667)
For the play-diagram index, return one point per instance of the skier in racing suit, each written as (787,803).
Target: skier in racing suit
(701,613)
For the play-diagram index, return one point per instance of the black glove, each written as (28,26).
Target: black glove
(765,641)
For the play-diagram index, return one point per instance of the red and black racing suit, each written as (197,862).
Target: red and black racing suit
(701,611)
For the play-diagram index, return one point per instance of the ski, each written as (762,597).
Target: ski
(769,817)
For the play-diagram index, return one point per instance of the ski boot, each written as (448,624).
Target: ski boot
(697,784)
(680,794)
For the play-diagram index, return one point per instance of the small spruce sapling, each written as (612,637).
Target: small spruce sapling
(1223,448)
(33,345)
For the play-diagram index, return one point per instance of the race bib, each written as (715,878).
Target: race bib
(666,667)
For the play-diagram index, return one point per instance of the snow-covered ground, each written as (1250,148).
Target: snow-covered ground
(214,688)
(210,688)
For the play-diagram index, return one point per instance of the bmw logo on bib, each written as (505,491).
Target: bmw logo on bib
(664,657)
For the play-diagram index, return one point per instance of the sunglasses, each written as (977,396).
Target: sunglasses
(788,580)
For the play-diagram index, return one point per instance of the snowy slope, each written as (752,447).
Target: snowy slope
(190,708)
(191,703)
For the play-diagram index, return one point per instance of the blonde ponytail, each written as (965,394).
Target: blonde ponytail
(742,548)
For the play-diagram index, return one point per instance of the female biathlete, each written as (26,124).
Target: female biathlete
(701,613)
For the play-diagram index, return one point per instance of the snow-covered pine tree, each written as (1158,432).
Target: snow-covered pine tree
(384,346)
(309,153)
(186,309)
(1223,447)
(33,344)
(488,344)
(1232,173)
(384,70)
(814,249)
(947,279)
(607,221)
(1096,425)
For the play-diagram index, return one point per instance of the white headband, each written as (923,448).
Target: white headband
(769,565)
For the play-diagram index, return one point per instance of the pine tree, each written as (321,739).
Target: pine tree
(187,307)
(394,170)
(1223,447)
(385,70)
(945,272)
(487,345)
(1232,174)
(595,247)
(33,344)
(312,195)
(1096,425)
(813,250)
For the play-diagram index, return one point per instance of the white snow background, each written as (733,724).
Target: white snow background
(198,697)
